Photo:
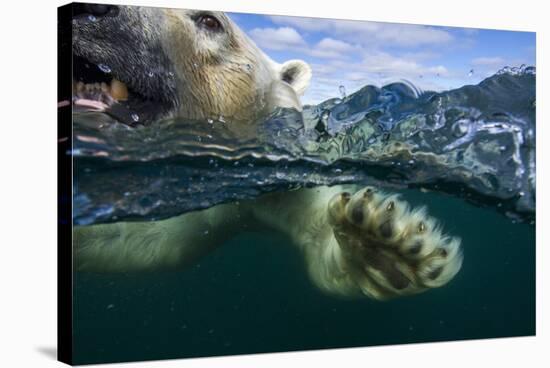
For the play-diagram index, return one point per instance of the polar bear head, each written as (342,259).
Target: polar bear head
(154,62)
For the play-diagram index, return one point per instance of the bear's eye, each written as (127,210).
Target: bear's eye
(209,22)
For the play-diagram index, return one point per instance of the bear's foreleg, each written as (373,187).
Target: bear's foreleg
(151,245)
(370,243)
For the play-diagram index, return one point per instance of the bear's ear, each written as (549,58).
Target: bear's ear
(296,73)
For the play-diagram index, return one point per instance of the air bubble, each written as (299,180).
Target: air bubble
(460,128)
(135,117)
(92,18)
(150,74)
(104,68)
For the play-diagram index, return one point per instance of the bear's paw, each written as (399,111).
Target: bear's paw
(388,248)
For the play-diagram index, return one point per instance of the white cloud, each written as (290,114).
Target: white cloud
(333,49)
(303,23)
(286,38)
(384,63)
(277,38)
(410,35)
(334,45)
(368,33)
(356,76)
(354,53)
(376,68)
(488,61)
(420,55)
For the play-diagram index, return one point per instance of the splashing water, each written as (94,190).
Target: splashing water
(342,91)
(104,68)
(475,142)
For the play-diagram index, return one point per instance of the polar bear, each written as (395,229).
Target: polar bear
(198,64)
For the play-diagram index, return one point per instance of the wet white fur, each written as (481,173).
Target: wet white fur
(225,73)
(302,215)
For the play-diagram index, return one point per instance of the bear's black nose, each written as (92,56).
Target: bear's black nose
(97,10)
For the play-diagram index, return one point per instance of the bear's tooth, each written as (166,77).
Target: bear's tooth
(119,91)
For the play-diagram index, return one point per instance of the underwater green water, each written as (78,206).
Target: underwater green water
(252,295)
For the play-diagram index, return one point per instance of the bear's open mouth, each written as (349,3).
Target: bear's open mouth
(97,88)
(94,87)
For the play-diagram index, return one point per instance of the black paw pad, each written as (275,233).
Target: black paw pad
(345,197)
(357,214)
(368,193)
(386,229)
(416,248)
(435,273)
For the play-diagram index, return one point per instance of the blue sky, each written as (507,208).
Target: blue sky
(357,53)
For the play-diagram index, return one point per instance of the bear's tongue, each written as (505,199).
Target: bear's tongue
(111,98)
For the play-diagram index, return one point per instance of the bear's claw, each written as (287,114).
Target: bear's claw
(390,249)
